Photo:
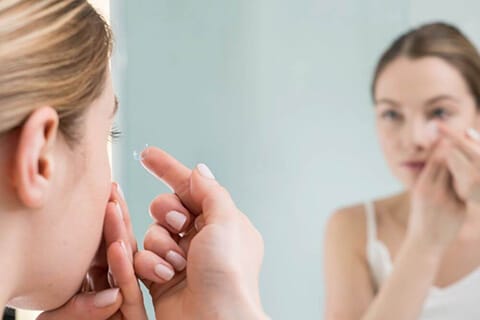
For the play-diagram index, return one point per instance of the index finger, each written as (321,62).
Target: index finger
(124,274)
(470,148)
(171,171)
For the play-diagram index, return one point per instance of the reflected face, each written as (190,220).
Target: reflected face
(410,96)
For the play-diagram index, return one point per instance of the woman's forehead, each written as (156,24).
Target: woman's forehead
(423,79)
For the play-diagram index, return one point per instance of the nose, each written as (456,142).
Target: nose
(420,135)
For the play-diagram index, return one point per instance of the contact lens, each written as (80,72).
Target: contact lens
(140,155)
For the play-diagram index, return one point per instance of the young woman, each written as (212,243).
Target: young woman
(62,218)
(415,255)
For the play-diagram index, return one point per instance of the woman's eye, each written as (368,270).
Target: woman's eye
(439,113)
(115,134)
(391,115)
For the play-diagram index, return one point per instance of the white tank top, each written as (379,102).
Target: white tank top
(458,301)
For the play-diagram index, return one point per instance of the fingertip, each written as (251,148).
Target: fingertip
(442,128)
(473,134)
(150,266)
(202,179)
(205,171)
(107,298)
(119,257)
(199,222)
(148,153)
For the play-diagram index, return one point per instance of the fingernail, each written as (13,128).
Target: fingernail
(473,134)
(124,247)
(164,272)
(176,260)
(119,209)
(111,279)
(176,220)
(205,171)
(120,191)
(105,298)
(199,223)
(125,251)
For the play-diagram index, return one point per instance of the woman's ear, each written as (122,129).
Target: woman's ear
(34,159)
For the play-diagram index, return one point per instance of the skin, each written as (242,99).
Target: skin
(224,251)
(91,230)
(38,163)
(431,228)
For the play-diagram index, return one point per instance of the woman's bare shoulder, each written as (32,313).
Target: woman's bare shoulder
(347,224)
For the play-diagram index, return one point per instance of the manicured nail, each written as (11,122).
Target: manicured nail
(124,247)
(473,134)
(199,223)
(176,260)
(119,209)
(126,251)
(111,279)
(120,191)
(176,220)
(105,298)
(205,171)
(164,272)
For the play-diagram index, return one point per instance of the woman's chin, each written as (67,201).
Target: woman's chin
(409,180)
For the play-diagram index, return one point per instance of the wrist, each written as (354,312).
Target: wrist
(430,253)
(240,312)
(241,304)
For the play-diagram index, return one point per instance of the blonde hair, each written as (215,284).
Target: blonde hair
(53,53)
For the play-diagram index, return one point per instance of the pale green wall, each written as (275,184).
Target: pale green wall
(274,96)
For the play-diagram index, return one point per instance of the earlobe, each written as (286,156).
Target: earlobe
(34,161)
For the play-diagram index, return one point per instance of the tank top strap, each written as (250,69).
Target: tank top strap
(371,223)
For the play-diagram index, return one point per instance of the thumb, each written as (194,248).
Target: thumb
(214,200)
(89,306)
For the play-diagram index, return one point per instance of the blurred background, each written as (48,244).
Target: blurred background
(274,96)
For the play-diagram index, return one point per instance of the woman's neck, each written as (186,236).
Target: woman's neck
(6,287)
(10,265)
(398,207)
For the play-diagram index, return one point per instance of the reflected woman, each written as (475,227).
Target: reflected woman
(414,255)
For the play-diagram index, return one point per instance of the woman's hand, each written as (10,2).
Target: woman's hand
(111,289)
(223,253)
(437,209)
(463,161)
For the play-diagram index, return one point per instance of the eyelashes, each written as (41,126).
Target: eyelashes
(115,134)
(439,113)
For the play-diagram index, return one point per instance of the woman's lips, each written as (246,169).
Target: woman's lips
(414,165)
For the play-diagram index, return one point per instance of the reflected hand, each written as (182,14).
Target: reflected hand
(437,211)
(463,161)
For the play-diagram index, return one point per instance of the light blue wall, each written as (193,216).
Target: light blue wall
(274,96)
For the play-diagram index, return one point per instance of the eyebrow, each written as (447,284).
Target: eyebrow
(387,101)
(428,102)
(439,98)
(115,108)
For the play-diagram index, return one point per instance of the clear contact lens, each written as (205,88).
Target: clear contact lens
(139,155)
